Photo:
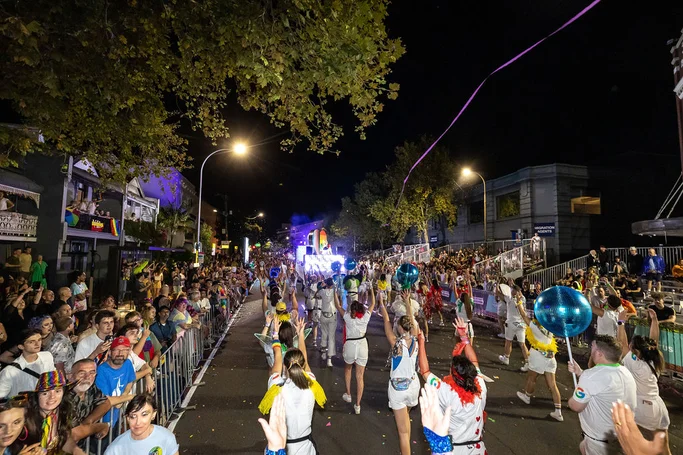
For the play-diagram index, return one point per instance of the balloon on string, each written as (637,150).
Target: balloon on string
(336,266)
(563,311)
(274,272)
(350,264)
(407,275)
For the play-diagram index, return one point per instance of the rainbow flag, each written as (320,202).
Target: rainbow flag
(114,227)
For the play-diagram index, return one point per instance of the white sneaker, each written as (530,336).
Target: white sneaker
(525,367)
(346,397)
(356,409)
(441,324)
(329,363)
(524,397)
(557,415)
(501,335)
(504,359)
(323,353)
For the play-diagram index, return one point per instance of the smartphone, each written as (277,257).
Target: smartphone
(108,338)
(36,285)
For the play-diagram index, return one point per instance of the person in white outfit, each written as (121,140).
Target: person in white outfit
(355,350)
(404,385)
(328,320)
(645,361)
(515,328)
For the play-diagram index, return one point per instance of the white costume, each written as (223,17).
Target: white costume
(356,345)
(651,412)
(404,385)
(299,406)
(328,322)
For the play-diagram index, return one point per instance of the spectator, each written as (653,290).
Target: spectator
(633,290)
(23,373)
(12,264)
(95,346)
(147,347)
(603,260)
(664,313)
(89,403)
(597,389)
(12,421)
(115,377)
(5,204)
(653,269)
(25,261)
(142,370)
(61,348)
(14,319)
(143,437)
(61,309)
(619,267)
(41,304)
(45,326)
(65,296)
(37,274)
(80,293)
(180,317)
(592,260)
(164,329)
(634,262)
(163,294)
(677,270)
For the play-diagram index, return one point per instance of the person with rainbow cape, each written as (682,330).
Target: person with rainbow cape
(291,378)
(541,361)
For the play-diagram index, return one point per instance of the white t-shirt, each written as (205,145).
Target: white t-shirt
(13,380)
(467,421)
(3,204)
(607,324)
(601,386)
(86,346)
(137,362)
(356,327)
(327,300)
(399,307)
(513,316)
(646,380)
(159,442)
(299,406)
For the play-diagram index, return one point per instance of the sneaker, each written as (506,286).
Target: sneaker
(557,415)
(323,353)
(524,397)
(329,363)
(441,324)
(525,367)
(315,344)
(501,335)
(346,397)
(505,360)
(356,409)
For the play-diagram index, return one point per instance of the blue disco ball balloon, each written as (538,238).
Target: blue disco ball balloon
(563,311)
(274,272)
(350,264)
(407,275)
(336,266)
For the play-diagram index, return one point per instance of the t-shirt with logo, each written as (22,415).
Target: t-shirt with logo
(113,382)
(599,387)
(159,442)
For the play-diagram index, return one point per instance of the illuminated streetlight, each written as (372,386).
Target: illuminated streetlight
(215,211)
(240,148)
(466,172)
(259,215)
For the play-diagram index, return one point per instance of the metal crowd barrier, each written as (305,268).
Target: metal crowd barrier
(172,377)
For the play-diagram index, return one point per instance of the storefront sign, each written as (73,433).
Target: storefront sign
(545,229)
(433,239)
(96,225)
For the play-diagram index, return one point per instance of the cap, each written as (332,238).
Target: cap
(51,380)
(505,290)
(120,341)
(281,306)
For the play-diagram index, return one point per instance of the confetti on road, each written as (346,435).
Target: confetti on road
(329,424)
(492,420)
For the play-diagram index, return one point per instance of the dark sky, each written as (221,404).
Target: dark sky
(598,89)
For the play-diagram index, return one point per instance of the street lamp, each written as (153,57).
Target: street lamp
(240,149)
(466,172)
(260,215)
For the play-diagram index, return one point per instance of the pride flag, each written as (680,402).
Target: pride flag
(114,227)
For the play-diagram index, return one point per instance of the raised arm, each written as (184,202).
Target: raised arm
(654,325)
(373,301)
(422,357)
(388,327)
(277,350)
(337,304)
(300,325)
(522,311)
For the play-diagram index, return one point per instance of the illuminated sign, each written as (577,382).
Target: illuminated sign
(96,225)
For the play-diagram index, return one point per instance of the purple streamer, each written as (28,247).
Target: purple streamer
(469,100)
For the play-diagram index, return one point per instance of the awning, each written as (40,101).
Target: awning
(20,185)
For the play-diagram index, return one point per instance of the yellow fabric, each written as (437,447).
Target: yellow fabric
(283,317)
(381,285)
(545,347)
(275,389)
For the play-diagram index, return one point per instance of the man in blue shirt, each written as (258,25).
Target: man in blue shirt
(653,269)
(116,376)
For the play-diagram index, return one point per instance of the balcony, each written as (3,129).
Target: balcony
(91,226)
(18,227)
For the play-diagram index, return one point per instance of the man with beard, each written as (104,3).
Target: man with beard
(115,377)
(89,403)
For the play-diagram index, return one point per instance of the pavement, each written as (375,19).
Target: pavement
(225,418)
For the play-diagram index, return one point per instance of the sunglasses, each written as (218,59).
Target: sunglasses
(17,401)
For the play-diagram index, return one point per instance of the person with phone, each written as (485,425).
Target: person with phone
(97,345)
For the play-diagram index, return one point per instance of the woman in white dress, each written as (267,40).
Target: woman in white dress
(355,350)
(291,377)
(404,385)
(645,361)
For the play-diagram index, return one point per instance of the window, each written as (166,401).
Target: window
(507,205)
(476,212)
(587,205)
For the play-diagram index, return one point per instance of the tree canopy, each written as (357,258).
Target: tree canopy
(111,81)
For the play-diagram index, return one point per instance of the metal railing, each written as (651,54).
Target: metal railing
(172,378)
(18,224)
(412,253)
(512,263)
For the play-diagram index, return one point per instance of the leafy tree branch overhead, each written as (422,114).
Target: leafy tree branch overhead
(98,77)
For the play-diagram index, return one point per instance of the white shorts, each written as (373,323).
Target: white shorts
(356,351)
(651,414)
(399,399)
(538,363)
(515,330)
(310,304)
(593,447)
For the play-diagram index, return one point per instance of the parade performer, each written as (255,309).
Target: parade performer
(291,378)
(464,392)
(382,289)
(514,325)
(328,320)
(288,337)
(435,302)
(351,284)
(645,361)
(463,310)
(355,350)
(404,385)
(541,362)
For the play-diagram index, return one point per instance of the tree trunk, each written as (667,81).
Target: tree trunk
(425,232)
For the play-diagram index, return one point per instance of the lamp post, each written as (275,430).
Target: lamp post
(240,149)
(466,172)
(260,215)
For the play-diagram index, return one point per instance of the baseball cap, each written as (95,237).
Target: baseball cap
(281,306)
(120,341)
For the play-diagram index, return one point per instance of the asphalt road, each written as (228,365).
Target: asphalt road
(225,421)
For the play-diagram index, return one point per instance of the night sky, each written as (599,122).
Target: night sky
(598,90)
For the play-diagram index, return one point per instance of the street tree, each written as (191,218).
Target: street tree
(428,194)
(112,81)
(174,220)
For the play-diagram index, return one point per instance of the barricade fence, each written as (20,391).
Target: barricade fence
(412,253)
(173,376)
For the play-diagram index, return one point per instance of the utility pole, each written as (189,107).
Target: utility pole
(677,62)
(225,215)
